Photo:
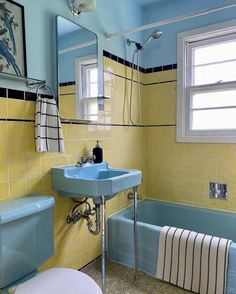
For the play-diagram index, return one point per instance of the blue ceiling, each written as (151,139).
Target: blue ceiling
(143,3)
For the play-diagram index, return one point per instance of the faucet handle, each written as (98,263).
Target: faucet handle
(90,159)
(83,160)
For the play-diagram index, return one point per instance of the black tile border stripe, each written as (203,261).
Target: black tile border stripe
(161,82)
(101,124)
(16,94)
(143,70)
(16,120)
(31,96)
(90,123)
(65,84)
(122,77)
(20,95)
(143,84)
(121,60)
(159,126)
(3,92)
(66,122)
(67,94)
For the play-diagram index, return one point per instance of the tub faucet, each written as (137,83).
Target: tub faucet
(85,161)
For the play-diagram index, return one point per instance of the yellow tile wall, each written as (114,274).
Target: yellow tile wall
(24,171)
(119,89)
(68,105)
(177,172)
(181,172)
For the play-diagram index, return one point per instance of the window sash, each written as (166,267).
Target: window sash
(191,91)
(194,45)
(81,66)
(186,41)
(205,88)
(86,83)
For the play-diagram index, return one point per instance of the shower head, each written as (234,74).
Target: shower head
(155,35)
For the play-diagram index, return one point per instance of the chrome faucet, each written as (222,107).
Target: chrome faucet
(85,160)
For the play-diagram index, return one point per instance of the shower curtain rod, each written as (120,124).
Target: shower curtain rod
(172,20)
(78,46)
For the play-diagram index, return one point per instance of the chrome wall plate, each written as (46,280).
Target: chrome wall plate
(218,190)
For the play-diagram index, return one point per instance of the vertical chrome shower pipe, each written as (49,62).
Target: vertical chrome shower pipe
(135,189)
(103,245)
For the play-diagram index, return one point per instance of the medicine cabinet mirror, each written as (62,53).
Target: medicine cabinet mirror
(78,71)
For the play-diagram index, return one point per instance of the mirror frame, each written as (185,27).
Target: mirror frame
(100,70)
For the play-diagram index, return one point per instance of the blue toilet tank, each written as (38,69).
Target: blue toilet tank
(26,236)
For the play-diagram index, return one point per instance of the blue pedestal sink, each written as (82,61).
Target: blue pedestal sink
(101,183)
(93,180)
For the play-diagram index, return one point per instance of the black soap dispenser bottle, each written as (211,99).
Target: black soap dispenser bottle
(98,153)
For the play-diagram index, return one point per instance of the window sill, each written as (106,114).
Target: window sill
(211,139)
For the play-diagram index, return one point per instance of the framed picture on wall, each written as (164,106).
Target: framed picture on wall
(12,38)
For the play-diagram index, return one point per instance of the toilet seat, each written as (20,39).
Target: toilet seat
(59,281)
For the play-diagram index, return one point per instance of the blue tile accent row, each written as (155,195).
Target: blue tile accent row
(143,70)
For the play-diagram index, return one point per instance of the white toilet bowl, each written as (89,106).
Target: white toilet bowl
(58,281)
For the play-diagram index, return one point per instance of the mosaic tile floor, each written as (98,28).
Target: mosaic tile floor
(120,280)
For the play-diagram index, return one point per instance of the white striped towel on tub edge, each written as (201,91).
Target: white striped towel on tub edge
(193,261)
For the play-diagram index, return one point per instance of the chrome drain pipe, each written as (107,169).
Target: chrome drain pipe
(76,215)
(95,231)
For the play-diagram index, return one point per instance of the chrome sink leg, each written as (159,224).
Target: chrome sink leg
(103,245)
(135,189)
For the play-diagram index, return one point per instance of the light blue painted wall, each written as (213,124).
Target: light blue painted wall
(66,61)
(110,16)
(40,19)
(164,51)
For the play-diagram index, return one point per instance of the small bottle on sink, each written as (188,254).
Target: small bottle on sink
(98,153)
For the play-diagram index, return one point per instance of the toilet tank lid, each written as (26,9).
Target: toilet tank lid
(16,209)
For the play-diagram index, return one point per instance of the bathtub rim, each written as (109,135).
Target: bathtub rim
(175,204)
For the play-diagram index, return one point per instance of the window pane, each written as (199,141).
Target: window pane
(213,53)
(214,73)
(214,99)
(90,106)
(93,90)
(93,75)
(216,119)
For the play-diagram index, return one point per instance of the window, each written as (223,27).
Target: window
(89,80)
(206,108)
(87,87)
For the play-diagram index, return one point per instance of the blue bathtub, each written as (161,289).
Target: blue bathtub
(152,215)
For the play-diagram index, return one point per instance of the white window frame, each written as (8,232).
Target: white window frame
(183,132)
(79,62)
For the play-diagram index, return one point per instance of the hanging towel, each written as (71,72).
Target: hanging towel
(48,130)
(193,261)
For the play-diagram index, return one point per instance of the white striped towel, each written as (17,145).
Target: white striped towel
(193,261)
(48,132)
